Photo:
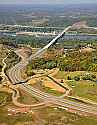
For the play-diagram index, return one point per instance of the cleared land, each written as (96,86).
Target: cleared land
(26,98)
(50,84)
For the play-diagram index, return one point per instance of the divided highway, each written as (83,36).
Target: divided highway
(14,73)
(15,77)
(47,98)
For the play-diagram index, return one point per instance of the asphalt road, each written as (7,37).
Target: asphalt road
(78,106)
(15,76)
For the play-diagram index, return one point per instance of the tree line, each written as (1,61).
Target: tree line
(73,61)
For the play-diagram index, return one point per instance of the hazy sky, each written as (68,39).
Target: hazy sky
(46,1)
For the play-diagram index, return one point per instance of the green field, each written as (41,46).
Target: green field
(51,91)
(83,88)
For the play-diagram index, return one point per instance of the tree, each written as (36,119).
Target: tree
(89,77)
(30,73)
(69,78)
(50,65)
(77,78)
(0,78)
(0,68)
(93,67)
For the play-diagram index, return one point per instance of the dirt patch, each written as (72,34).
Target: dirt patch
(32,81)
(49,83)
(26,98)
(84,50)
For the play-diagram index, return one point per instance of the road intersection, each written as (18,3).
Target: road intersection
(15,77)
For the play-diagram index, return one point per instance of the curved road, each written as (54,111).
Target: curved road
(15,77)
(15,94)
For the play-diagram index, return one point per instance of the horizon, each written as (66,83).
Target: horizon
(41,4)
(49,2)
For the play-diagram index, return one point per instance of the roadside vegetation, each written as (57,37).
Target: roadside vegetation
(3,54)
(51,91)
(83,83)
(79,61)
(75,60)
(78,67)
(12,59)
(5,98)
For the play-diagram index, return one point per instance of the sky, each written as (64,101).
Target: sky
(46,1)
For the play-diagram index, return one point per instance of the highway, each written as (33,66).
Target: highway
(15,76)
(16,95)
(78,106)
(14,73)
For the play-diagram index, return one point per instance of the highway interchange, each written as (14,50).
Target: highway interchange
(15,77)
